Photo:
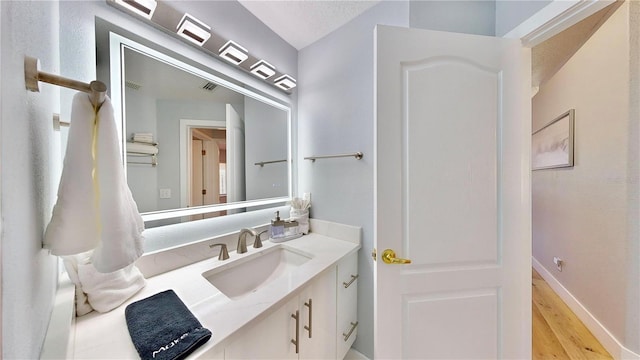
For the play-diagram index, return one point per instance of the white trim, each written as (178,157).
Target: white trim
(610,343)
(555,18)
(58,344)
(185,149)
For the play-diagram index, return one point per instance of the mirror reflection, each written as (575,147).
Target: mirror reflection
(192,142)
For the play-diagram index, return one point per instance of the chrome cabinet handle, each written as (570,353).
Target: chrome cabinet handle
(310,306)
(353,278)
(296,342)
(348,335)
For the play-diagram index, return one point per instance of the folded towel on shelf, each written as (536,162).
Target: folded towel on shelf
(162,327)
(143,137)
(101,291)
(139,148)
(95,209)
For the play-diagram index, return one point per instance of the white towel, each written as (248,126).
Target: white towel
(95,212)
(143,137)
(141,148)
(101,291)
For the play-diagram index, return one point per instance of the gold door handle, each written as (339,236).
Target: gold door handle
(389,257)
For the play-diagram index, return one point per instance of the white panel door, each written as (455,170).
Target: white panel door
(452,195)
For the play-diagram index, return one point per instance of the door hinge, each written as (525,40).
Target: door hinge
(204,152)
(374,254)
(204,191)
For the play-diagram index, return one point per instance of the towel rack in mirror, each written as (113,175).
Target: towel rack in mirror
(153,162)
(357,155)
(263,163)
(97,90)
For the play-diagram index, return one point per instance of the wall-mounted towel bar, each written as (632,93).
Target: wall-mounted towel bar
(357,155)
(32,75)
(263,163)
(57,123)
(154,159)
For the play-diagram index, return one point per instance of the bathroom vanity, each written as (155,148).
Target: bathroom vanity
(291,300)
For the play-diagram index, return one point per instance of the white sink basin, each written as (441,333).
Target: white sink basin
(249,274)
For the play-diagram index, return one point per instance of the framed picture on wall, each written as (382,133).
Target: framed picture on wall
(552,145)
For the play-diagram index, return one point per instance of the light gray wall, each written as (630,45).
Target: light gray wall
(142,179)
(588,215)
(266,136)
(29,174)
(336,116)
(470,17)
(510,14)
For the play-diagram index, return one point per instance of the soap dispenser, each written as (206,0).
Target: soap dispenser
(277,227)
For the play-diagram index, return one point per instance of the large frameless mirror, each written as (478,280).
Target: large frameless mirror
(196,145)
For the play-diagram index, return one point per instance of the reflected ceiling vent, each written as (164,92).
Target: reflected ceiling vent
(132,85)
(209,86)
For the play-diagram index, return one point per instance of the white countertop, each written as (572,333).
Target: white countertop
(105,335)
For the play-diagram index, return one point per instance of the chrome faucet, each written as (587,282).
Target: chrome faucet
(242,240)
(224,254)
(257,243)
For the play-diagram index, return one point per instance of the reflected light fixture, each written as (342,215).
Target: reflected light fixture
(144,8)
(285,82)
(263,69)
(233,53)
(194,30)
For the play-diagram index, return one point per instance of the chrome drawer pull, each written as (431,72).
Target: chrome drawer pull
(296,342)
(353,278)
(310,306)
(353,327)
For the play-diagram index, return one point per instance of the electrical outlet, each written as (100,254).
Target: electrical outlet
(558,262)
(165,193)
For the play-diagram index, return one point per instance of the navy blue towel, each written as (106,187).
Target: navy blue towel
(162,327)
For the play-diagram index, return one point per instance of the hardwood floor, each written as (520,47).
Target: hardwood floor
(557,332)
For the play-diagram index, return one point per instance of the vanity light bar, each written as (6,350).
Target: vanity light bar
(194,30)
(263,69)
(144,8)
(200,34)
(233,53)
(285,82)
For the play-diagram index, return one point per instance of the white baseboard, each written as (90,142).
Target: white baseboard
(608,341)
(59,337)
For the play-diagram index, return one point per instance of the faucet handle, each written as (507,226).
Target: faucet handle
(257,243)
(224,254)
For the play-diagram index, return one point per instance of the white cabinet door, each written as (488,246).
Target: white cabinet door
(269,338)
(347,304)
(314,330)
(317,317)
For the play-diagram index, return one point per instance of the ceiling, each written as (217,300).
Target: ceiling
(160,80)
(303,22)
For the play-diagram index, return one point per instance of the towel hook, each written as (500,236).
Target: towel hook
(97,90)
